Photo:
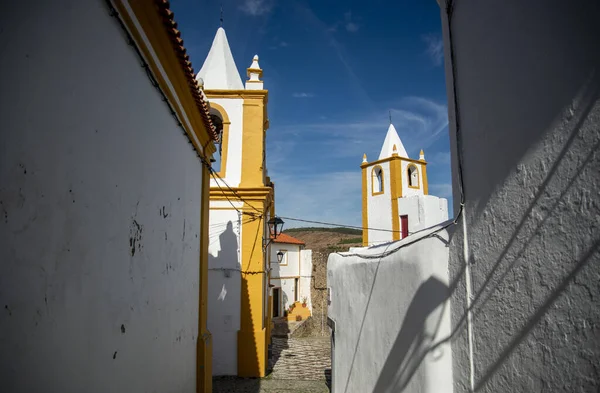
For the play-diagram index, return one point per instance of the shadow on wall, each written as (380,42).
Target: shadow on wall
(516,107)
(413,341)
(227,257)
(560,217)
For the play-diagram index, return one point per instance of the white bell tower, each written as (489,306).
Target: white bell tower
(395,194)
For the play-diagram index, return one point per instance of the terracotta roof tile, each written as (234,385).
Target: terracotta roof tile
(186,65)
(287,239)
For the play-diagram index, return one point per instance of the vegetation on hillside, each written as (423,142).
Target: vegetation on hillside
(346,231)
(351,240)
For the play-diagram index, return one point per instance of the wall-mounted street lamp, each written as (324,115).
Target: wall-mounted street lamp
(275,227)
(280,256)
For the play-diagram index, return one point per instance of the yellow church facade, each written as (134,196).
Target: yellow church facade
(241,204)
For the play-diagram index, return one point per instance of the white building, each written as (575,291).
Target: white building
(290,278)
(395,195)
(104,140)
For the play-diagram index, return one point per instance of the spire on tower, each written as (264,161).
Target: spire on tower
(254,75)
(422,155)
(392,140)
(219,70)
(364,158)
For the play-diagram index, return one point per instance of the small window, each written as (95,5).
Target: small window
(218,123)
(377,180)
(413,176)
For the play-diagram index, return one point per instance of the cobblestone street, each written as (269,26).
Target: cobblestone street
(301,358)
(298,365)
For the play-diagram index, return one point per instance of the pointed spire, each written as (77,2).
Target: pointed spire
(392,140)
(219,70)
(364,158)
(254,75)
(422,155)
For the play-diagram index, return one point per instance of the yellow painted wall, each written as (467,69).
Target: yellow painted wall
(253,336)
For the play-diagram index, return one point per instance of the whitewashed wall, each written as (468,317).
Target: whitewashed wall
(306,268)
(390,316)
(235,112)
(290,265)
(100,211)
(527,79)
(224,286)
(423,211)
(299,264)
(379,207)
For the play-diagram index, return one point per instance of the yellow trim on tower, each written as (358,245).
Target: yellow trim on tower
(256,94)
(424,175)
(224,137)
(373,192)
(252,338)
(395,171)
(253,140)
(365,199)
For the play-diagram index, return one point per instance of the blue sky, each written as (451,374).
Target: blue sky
(334,69)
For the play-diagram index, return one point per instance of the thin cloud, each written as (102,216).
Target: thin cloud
(350,25)
(420,123)
(280,44)
(435,48)
(303,95)
(256,7)
(307,15)
(319,196)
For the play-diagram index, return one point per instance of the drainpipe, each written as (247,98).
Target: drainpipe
(447,7)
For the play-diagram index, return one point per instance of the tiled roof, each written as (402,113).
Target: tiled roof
(287,239)
(186,64)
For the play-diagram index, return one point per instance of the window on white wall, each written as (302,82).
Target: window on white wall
(377,180)
(413,176)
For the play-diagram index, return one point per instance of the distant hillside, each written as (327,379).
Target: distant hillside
(347,231)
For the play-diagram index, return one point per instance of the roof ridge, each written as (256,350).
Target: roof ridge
(168,18)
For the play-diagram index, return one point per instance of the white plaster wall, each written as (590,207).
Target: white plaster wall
(290,265)
(235,112)
(391,315)
(379,207)
(406,190)
(100,202)
(224,288)
(306,269)
(423,211)
(528,87)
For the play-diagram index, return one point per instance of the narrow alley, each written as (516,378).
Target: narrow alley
(297,365)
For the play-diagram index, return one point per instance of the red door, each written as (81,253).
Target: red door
(403,226)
